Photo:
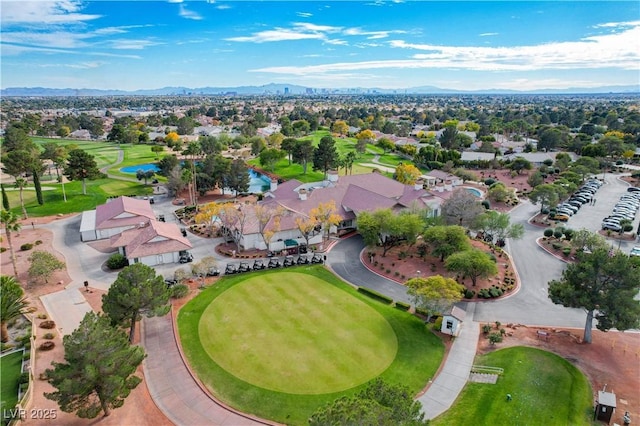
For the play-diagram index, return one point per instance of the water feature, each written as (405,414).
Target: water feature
(144,167)
(258,183)
(474,191)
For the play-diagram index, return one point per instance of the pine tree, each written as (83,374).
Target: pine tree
(38,187)
(137,291)
(5,199)
(99,367)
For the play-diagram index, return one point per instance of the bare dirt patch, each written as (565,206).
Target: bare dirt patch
(138,409)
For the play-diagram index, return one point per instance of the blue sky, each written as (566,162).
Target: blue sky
(466,45)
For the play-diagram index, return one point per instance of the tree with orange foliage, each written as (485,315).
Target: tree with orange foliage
(268,221)
(325,215)
(208,214)
(233,218)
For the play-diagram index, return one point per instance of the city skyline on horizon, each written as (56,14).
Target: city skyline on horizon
(470,46)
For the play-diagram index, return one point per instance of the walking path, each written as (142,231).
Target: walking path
(454,375)
(173,388)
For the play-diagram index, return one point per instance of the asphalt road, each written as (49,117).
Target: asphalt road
(530,305)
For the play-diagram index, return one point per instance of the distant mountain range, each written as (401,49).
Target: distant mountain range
(292,89)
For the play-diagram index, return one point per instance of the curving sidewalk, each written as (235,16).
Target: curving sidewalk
(172,387)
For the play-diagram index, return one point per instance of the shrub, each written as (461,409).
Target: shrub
(403,306)
(48,336)
(558,232)
(489,181)
(24,378)
(3,249)
(568,234)
(179,291)
(437,325)
(42,316)
(486,204)
(495,292)
(26,246)
(46,346)
(486,328)
(38,242)
(548,232)
(495,338)
(117,261)
(48,324)
(26,356)
(545,211)
(375,295)
(468,294)
(556,246)
(566,251)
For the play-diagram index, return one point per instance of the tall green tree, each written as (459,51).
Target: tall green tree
(472,263)
(498,226)
(446,240)
(546,195)
(303,154)
(11,224)
(269,157)
(43,265)
(38,187)
(81,166)
(5,198)
(12,303)
(136,292)
(238,177)
(288,145)
(17,164)
(379,404)
(325,156)
(98,372)
(387,229)
(434,294)
(605,284)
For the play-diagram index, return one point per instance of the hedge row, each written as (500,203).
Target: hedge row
(375,295)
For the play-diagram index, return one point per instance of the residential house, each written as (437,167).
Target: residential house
(151,243)
(115,216)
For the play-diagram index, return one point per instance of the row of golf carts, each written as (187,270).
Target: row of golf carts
(273,262)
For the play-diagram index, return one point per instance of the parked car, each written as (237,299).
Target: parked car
(213,272)
(635,251)
(244,267)
(317,258)
(561,217)
(185,257)
(633,189)
(231,269)
(611,226)
(303,260)
(274,262)
(258,264)
(288,261)
(170,282)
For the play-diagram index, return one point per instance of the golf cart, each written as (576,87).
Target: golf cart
(288,261)
(185,257)
(231,269)
(317,258)
(303,260)
(244,267)
(274,262)
(258,264)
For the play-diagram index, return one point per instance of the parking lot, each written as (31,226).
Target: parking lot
(590,216)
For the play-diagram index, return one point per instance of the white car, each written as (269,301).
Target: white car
(635,251)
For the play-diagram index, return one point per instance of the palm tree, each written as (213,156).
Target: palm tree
(10,222)
(12,303)
(20,184)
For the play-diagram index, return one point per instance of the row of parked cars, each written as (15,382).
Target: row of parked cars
(273,262)
(585,194)
(625,210)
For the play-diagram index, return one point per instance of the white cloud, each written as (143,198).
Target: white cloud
(43,12)
(223,7)
(488,34)
(618,24)
(619,51)
(304,14)
(188,14)
(132,44)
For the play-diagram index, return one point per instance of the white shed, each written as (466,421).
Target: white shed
(452,321)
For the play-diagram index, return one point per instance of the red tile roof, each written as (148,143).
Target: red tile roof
(123,211)
(153,239)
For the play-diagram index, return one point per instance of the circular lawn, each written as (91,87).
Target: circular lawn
(279,344)
(298,335)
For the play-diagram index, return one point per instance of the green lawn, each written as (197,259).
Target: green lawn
(105,153)
(271,343)
(317,341)
(11,368)
(545,388)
